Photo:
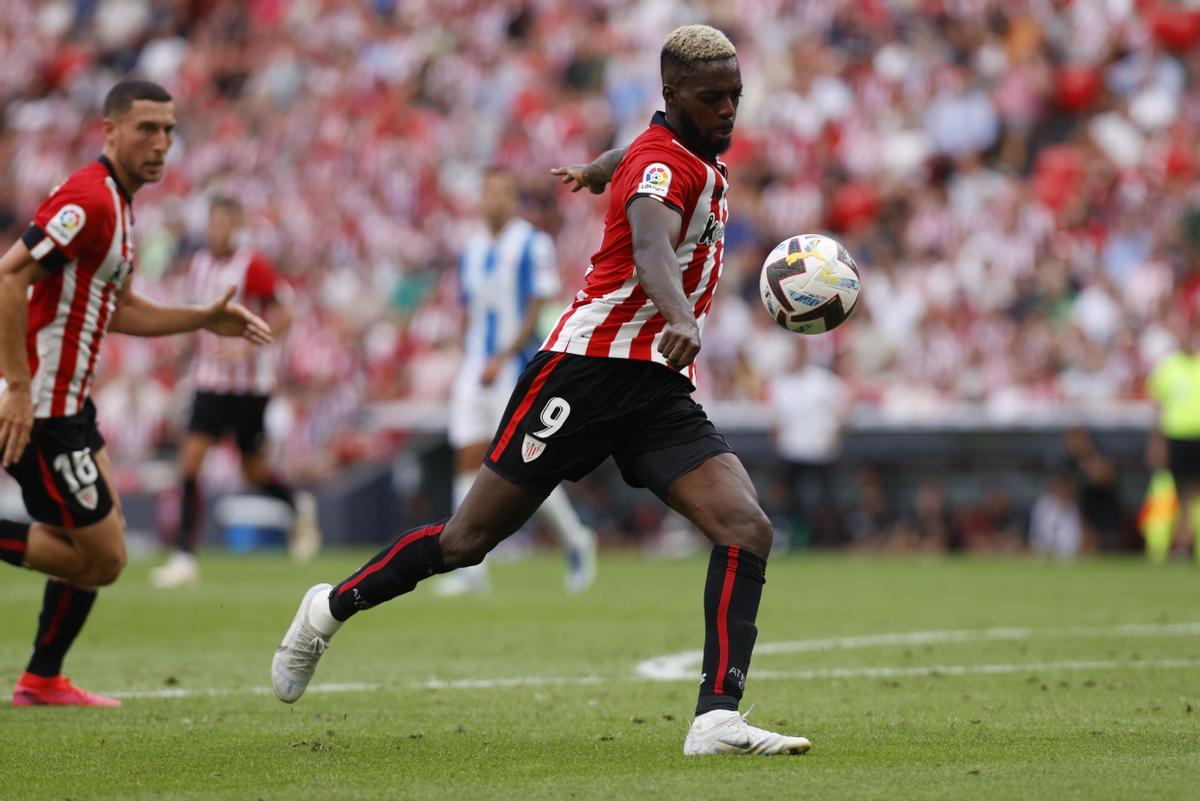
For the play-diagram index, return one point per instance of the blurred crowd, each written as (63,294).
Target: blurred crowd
(1016,179)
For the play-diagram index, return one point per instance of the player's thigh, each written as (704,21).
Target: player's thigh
(719,498)
(249,422)
(492,511)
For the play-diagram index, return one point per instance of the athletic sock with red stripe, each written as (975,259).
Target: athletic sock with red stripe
(731,595)
(14,540)
(65,607)
(415,555)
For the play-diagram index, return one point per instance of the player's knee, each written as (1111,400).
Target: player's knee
(105,569)
(463,546)
(751,529)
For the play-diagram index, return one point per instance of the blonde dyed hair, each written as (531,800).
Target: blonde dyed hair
(692,43)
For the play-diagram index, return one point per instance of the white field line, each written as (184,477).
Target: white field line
(686,664)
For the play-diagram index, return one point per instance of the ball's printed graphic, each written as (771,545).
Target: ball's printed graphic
(809,284)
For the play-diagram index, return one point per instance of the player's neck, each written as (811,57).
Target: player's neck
(496,226)
(686,134)
(127,181)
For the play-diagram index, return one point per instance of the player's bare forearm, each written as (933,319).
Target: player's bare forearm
(655,229)
(139,316)
(594,175)
(18,271)
(604,165)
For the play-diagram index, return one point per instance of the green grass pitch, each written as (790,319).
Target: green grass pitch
(1001,679)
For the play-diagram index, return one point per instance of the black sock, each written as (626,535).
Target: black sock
(65,607)
(415,555)
(280,491)
(731,595)
(14,539)
(189,516)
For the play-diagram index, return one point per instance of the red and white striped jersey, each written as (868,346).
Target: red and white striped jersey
(232,366)
(612,315)
(83,235)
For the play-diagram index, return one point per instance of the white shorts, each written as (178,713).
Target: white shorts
(476,410)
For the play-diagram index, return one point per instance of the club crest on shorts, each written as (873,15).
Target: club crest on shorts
(88,497)
(531,448)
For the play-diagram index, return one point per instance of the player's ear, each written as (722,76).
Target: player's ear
(110,126)
(669,94)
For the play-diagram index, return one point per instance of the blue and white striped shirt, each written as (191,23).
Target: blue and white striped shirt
(498,279)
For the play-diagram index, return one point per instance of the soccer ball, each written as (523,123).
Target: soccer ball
(809,284)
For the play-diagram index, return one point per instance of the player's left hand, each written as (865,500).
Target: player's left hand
(491,370)
(229,319)
(581,175)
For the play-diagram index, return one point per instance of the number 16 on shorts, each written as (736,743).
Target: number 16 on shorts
(78,470)
(554,415)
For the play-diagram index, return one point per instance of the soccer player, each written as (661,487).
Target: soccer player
(615,377)
(233,382)
(77,258)
(505,277)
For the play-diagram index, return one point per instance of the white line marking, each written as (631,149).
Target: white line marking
(685,664)
(353,687)
(965,670)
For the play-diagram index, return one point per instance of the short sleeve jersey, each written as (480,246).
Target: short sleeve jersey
(252,371)
(499,277)
(612,315)
(82,234)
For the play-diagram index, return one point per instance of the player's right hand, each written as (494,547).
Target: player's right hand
(582,175)
(680,343)
(16,423)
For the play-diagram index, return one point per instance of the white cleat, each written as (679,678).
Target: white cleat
(296,658)
(582,561)
(305,540)
(470,580)
(180,570)
(725,731)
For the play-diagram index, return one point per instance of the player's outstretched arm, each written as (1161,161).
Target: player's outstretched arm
(17,271)
(655,232)
(139,316)
(594,176)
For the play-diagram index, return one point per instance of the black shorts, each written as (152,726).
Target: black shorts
(216,414)
(1183,459)
(60,480)
(569,413)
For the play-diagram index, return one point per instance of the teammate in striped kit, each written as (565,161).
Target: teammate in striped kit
(615,379)
(233,382)
(505,277)
(77,258)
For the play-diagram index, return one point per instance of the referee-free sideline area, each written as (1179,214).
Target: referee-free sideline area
(439,705)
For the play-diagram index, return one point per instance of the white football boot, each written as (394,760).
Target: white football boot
(470,580)
(306,639)
(180,570)
(725,731)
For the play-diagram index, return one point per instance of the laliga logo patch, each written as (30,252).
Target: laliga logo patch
(88,497)
(68,222)
(656,180)
(531,449)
